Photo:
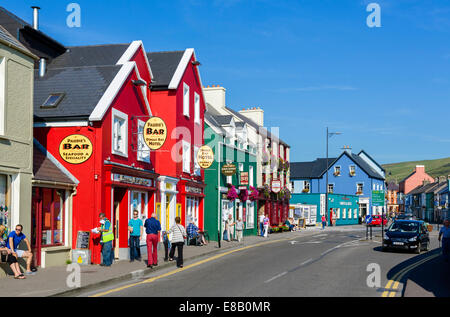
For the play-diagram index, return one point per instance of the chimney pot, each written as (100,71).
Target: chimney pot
(35,17)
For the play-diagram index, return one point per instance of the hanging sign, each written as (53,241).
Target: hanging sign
(276,186)
(155,133)
(205,156)
(228,169)
(75,149)
(244,178)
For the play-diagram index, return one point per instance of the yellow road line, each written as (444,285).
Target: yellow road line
(399,276)
(150,280)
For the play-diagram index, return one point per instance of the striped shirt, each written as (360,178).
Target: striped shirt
(178,233)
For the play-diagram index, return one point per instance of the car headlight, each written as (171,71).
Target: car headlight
(386,237)
(412,239)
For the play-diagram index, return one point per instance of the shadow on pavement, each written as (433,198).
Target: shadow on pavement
(418,274)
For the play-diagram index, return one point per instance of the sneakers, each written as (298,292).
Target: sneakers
(30,273)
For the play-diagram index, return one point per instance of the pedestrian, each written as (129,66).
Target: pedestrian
(6,255)
(166,242)
(444,234)
(261,224)
(152,228)
(178,235)
(135,227)
(324,221)
(266,226)
(239,229)
(229,227)
(106,240)
(14,239)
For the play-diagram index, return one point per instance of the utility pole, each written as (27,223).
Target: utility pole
(329,135)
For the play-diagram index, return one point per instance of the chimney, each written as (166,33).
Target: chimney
(420,168)
(215,96)
(256,114)
(35,17)
(42,67)
(442,179)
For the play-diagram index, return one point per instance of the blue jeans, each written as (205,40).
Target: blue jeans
(134,248)
(107,254)
(323,224)
(261,226)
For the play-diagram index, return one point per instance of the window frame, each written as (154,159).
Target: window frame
(3,79)
(186,155)
(140,141)
(197,168)
(196,108)
(186,100)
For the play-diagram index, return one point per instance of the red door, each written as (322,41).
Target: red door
(36,218)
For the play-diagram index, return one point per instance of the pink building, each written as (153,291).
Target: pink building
(415,179)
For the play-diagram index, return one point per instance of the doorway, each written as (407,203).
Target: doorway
(118,196)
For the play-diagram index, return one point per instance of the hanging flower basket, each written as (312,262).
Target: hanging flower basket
(232,193)
(243,195)
(352,174)
(266,191)
(286,166)
(305,190)
(265,158)
(337,173)
(254,194)
(280,164)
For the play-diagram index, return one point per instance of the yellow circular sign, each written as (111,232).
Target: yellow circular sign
(205,156)
(155,133)
(75,149)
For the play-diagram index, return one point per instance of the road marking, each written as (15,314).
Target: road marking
(306,262)
(399,276)
(275,277)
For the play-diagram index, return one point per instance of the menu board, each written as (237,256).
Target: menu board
(83,238)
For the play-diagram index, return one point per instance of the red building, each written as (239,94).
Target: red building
(177,97)
(90,107)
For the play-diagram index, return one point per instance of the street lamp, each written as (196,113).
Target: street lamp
(329,135)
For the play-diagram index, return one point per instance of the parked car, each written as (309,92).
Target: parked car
(406,216)
(409,235)
(376,220)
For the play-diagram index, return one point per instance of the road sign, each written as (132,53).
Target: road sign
(378,198)
(368,219)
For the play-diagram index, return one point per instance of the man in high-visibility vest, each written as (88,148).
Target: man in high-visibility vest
(106,240)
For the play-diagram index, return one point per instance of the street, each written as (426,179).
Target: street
(330,263)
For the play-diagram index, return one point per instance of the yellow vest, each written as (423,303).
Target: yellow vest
(107,235)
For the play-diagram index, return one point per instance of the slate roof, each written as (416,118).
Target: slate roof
(393,186)
(212,120)
(224,119)
(5,36)
(422,189)
(45,169)
(164,65)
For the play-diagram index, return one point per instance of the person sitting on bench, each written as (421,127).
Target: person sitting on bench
(192,232)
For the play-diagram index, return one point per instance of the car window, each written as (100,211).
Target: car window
(404,227)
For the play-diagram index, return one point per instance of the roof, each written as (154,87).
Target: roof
(393,186)
(422,189)
(83,88)
(10,40)
(45,167)
(259,128)
(211,120)
(376,163)
(316,169)
(224,120)
(164,65)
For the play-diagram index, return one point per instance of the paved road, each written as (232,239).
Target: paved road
(329,263)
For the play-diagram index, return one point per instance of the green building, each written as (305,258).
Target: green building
(230,145)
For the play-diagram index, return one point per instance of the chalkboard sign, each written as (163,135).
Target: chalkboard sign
(301,222)
(83,238)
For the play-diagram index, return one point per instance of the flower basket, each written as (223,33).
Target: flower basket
(359,193)
(305,190)
(286,166)
(232,193)
(337,173)
(280,164)
(352,174)
(254,194)
(266,191)
(243,195)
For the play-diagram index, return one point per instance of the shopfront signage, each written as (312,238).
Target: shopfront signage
(194,190)
(228,169)
(132,180)
(155,133)
(75,149)
(276,186)
(205,156)
(244,178)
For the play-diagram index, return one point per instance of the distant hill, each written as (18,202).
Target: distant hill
(434,168)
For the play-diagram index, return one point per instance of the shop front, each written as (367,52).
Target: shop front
(128,190)
(191,195)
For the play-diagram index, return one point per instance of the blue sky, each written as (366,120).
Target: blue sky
(309,64)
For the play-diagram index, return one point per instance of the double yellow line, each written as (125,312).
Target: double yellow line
(392,284)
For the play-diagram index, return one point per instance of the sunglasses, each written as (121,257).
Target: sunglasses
(19,230)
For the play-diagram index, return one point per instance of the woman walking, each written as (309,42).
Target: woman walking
(178,235)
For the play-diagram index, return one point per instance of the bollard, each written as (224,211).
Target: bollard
(218,238)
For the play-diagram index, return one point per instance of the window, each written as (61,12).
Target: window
(344,213)
(350,213)
(192,204)
(5,200)
(197,169)
(143,153)
(355,213)
(250,215)
(352,170)
(2,95)
(337,170)
(185,100)
(338,213)
(119,133)
(250,176)
(196,108)
(359,188)
(52,217)
(330,188)
(53,100)
(186,157)
(241,167)
(306,186)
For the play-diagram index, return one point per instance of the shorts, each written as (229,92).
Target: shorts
(20,253)
(8,258)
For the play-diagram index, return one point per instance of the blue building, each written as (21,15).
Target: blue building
(349,174)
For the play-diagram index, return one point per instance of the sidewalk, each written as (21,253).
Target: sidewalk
(52,281)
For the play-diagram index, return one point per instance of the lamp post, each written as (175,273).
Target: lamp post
(329,135)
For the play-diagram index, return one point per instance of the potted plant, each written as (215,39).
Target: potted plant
(232,193)
(254,194)
(305,190)
(352,173)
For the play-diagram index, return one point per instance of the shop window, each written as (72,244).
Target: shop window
(344,213)
(119,133)
(192,209)
(250,215)
(185,100)
(355,213)
(52,217)
(5,200)
(338,213)
(143,153)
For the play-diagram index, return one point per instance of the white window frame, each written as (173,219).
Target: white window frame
(3,95)
(196,108)
(250,215)
(344,213)
(142,147)
(362,187)
(328,189)
(122,116)
(250,176)
(186,100)
(349,213)
(186,157)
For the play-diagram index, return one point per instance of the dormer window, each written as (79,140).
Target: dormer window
(53,100)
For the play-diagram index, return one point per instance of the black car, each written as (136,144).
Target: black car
(409,235)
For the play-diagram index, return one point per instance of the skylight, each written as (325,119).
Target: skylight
(53,100)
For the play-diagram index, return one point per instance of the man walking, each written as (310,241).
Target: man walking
(266,226)
(261,224)
(135,227)
(444,233)
(239,229)
(152,228)
(106,240)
